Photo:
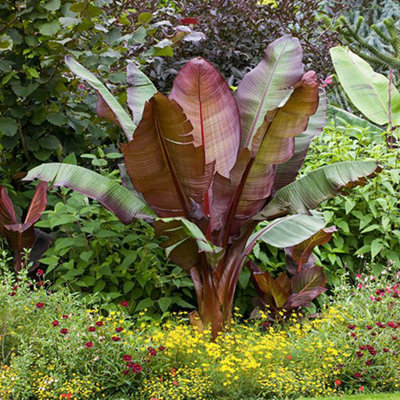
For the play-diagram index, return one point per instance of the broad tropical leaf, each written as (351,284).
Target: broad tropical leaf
(287,172)
(109,107)
(298,257)
(321,184)
(268,84)
(140,90)
(279,129)
(121,201)
(368,90)
(162,161)
(210,106)
(287,231)
(345,118)
(7,211)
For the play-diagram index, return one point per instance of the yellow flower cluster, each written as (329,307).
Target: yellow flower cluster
(245,359)
(8,382)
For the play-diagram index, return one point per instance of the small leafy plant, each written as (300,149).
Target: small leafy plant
(22,236)
(205,167)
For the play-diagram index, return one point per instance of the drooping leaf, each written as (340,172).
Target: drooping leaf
(140,90)
(41,244)
(108,100)
(321,184)
(344,118)
(121,201)
(209,105)
(38,203)
(287,172)
(300,254)
(368,90)
(287,231)
(162,161)
(266,86)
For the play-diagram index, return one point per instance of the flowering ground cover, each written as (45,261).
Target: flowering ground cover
(393,396)
(54,346)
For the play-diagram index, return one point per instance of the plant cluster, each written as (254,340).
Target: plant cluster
(235,44)
(58,346)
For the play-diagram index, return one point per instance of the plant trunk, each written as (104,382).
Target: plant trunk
(215,289)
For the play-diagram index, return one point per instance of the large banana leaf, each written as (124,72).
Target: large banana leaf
(287,172)
(162,161)
(108,106)
(209,104)
(118,199)
(280,127)
(321,184)
(140,90)
(268,84)
(368,90)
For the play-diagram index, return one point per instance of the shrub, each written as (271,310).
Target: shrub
(96,253)
(54,344)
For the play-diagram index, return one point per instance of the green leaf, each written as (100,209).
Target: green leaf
(321,184)
(128,286)
(6,43)
(244,278)
(368,90)
(100,285)
(8,126)
(145,303)
(145,17)
(376,247)
(165,303)
(52,5)
(109,100)
(57,118)
(49,28)
(349,205)
(86,281)
(121,201)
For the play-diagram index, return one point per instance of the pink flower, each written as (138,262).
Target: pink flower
(361,388)
(55,323)
(338,382)
(89,345)
(358,276)
(39,272)
(327,81)
(39,305)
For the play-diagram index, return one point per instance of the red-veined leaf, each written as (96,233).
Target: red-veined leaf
(7,211)
(38,203)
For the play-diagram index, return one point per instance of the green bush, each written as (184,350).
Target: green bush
(93,252)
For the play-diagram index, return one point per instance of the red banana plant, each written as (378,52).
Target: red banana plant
(20,235)
(206,167)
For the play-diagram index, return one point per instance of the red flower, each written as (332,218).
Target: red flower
(161,348)
(175,382)
(369,327)
(89,345)
(152,351)
(116,338)
(55,323)
(64,317)
(99,323)
(351,326)
(385,350)
(64,331)
(124,303)
(361,388)
(127,358)
(357,375)
(338,382)
(359,354)
(92,329)
(119,329)
(125,371)
(39,283)
(190,21)
(39,305)
(369,362)
(136,368)
(12,294)
(394,337)
(66,395)
(39,272)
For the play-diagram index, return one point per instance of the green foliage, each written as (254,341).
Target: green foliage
(368,218)
(38,122)
(94,252)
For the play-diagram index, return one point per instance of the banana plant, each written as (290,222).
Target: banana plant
(215,172)
(20,235)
